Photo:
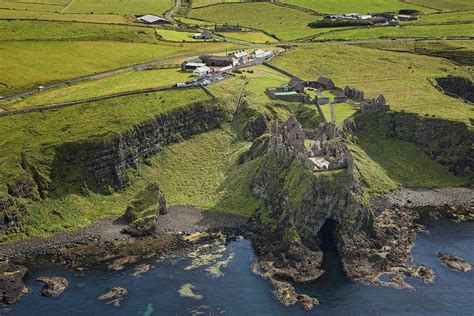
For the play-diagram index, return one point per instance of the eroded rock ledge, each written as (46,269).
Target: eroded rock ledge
(373,238)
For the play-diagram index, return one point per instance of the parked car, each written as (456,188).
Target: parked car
(41,87)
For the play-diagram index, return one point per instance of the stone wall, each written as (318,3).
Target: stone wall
(447,142)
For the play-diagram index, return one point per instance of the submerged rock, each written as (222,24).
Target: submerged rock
(114,296)
(186,290)
(53,286)
(140,269)
(454,262)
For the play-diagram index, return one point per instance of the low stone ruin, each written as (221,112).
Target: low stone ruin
(374,105)
(354,94)
(324,151)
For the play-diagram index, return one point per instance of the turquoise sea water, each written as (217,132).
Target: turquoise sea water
(237,291)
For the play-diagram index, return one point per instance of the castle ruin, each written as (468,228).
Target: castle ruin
(323,152)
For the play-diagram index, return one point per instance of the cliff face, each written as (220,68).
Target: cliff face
(307,209)
(447,142)
(100,164)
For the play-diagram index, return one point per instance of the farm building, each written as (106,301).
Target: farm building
(152,19)
(240,56)
(218,61)
(203,35)
(192,64)
(201,71)
(258,53)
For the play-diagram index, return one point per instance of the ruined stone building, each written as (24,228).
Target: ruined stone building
(374,105)
(323,153)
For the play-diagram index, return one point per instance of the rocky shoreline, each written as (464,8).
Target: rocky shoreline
(365,258)
(104,243)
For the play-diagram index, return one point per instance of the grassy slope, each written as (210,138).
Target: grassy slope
(444,4)
(401,77)
(34,132)
(128,81)
(401,31)
(119,6)
(27,64)
(341,111)
(175,36)
(283,22)
(49,30)
(5,4)
(387,164)
(201,3)
(201,171)
(255,37)
(55,16)
(359,6)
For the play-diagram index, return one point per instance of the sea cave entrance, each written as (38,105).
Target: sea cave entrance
(327,236)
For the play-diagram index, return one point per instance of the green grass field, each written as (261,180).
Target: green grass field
(403,78)
(33,132)
(359,6)
(450,30)
(450,5)
(444,17)
(341,111)
(27,64)
(36,6)
(285,23)
(55,16)
(128,81)
(385,164)
(119,6)
(254,37)
(175,36)
(202,3)
(48,30)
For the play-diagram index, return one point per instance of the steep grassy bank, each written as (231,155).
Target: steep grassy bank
(84,149)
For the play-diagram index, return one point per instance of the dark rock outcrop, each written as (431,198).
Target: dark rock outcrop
(53,286)
(458,87)
(12,287)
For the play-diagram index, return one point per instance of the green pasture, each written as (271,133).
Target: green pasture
(449,5)
(358,6)
(28,64)
(128,81)
(403,78)
(35,6)
(55,16)
(252,36)
(174,35)
(136,7)
(341,111)
(448,30)
(49,30)
(283,22)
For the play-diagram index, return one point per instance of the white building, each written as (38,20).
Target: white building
(153,19)
(201,71)
(240,56)
(262,53)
